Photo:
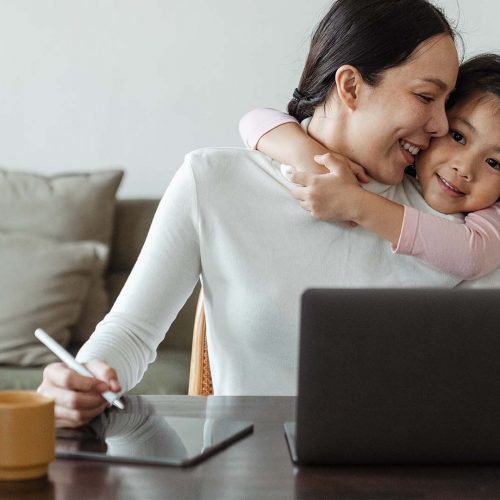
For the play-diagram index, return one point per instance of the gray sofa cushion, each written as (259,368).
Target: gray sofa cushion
(65,207)
(44,284)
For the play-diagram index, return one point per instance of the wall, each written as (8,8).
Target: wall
(87,84)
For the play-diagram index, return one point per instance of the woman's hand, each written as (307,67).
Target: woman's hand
(77,398)
(335,196)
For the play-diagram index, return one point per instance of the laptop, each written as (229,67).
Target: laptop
(398,376)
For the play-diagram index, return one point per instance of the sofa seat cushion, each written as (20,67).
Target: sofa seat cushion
(167,375)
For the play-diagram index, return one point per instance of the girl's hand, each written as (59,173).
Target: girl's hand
(336,196)
(77,398)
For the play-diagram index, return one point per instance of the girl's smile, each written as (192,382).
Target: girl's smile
(448,188)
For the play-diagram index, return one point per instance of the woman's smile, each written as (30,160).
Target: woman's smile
(409,151)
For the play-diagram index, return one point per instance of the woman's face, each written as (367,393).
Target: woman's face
(394,120)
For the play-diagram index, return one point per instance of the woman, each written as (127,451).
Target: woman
(387,69)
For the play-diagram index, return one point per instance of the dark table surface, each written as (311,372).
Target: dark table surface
(257,467)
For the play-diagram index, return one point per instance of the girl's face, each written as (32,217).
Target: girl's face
(397,118)
(460,172)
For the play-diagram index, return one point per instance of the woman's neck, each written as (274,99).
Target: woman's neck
(329,129)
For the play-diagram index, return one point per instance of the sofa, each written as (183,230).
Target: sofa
(130,221)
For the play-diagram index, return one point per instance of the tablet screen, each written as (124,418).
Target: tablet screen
(138,435)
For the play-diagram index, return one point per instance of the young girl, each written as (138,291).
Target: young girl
(457,173)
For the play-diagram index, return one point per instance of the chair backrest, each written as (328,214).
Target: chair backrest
(200,378)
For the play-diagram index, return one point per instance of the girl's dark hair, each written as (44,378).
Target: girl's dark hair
(371,35)
(479,75)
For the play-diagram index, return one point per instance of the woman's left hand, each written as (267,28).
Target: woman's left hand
(335,196)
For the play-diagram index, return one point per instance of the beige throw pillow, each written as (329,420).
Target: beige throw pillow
(44,283)
(65,207)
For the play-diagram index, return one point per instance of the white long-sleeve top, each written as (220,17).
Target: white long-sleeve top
(228,216)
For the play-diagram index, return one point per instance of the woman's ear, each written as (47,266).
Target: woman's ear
(348,82)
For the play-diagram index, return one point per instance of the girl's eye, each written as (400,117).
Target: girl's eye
(457,136)
(493,163)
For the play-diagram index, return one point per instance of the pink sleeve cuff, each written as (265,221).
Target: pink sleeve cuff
(258,122)
(408,232)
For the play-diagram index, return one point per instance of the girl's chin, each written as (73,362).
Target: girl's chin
(441,206)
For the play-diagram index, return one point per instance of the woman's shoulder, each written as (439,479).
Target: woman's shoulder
(231,168)
(215,161)
(221,155)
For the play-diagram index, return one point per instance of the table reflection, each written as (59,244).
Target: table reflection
(139,434)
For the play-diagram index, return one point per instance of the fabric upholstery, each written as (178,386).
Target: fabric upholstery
(167,375)
(44,284)
(65,207)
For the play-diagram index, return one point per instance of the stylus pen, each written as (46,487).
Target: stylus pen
(66,357)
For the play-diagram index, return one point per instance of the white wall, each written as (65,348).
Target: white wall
(137,83)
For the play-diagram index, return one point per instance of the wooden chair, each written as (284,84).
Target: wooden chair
(200,378)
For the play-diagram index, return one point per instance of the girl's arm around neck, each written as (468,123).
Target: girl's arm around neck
(468,250)
(280,136)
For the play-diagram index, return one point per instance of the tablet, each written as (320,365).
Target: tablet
(135,437)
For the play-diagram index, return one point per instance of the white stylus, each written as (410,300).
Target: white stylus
(66,357)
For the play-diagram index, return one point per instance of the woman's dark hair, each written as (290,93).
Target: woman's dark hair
(371,35)
(477,76)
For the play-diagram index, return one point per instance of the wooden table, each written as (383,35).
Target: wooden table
(257,467)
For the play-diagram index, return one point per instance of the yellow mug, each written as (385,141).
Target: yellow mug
(27,434)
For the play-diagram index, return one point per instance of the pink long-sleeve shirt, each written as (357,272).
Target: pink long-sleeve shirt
(467,250)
